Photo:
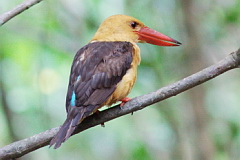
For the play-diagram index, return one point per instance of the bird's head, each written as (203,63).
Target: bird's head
(126,28)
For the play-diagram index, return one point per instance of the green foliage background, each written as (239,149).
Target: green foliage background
(36,52)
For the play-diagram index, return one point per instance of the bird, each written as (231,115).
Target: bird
(104,71)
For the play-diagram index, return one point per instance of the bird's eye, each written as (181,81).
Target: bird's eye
(134,24)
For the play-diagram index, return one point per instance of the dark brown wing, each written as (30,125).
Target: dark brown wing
(96,70)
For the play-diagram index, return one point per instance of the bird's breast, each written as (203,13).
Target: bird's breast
(125,85)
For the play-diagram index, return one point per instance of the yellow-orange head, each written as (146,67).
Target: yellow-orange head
(126,28)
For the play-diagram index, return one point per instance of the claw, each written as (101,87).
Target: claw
(124,100)
(102,124)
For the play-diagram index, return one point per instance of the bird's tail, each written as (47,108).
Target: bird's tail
(75,116)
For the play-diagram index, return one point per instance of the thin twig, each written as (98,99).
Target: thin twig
(22,147)
(17,10)
(7,112)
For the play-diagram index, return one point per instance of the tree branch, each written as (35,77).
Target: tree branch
(17,10)
(22,147)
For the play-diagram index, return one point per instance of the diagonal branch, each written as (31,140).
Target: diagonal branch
(17,10)
(22,147)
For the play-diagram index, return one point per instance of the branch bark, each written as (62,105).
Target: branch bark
(22,147)
(17,10)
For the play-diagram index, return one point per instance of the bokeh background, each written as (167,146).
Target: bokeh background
(36,52)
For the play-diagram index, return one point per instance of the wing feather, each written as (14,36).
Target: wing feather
(101,65)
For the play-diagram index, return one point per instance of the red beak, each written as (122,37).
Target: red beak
(153,37)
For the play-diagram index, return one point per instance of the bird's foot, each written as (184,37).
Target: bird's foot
(102,124)
(124,100)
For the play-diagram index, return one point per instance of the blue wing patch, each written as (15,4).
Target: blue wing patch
(73,98)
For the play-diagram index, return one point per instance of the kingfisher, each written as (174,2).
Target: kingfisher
(104,71)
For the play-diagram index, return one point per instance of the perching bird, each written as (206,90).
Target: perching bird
(104,71)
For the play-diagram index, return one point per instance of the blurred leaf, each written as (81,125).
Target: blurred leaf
(140,153)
